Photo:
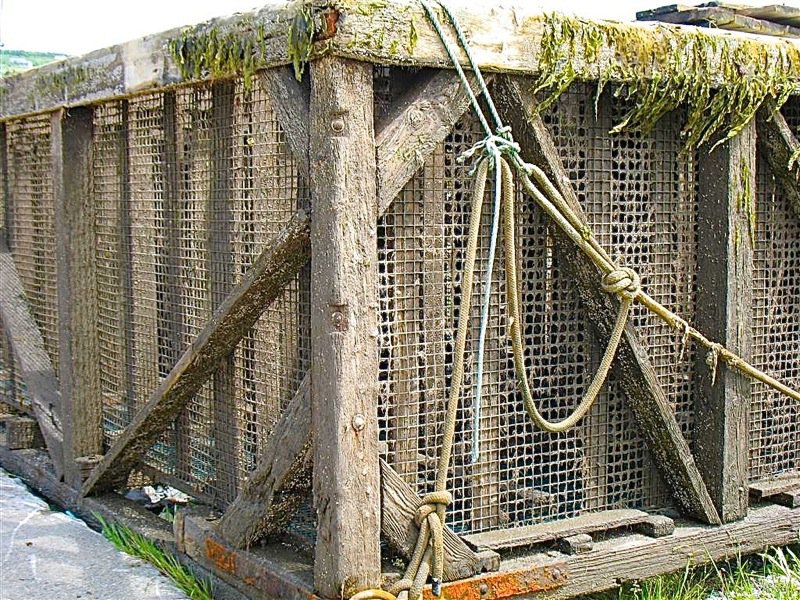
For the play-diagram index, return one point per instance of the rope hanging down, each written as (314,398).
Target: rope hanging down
(499,153)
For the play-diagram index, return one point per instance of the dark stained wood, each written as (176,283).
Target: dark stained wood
(30,358)
(221,280)
(282,479)
(646,398)
(79,374)
(777,143)
(725,239)
(290,101)
(273,269)
(415,125)
(513,537)
(400,530)
(789,498)
(344,367)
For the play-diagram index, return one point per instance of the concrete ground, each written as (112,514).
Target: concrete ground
(48,555)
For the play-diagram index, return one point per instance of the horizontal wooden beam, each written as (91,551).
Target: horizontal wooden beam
(275,267)
(765,490)
(778,144)
(399,503)
(638,379)
(279,483)
(504,38)
(31,359)
(141,65)
(588,523)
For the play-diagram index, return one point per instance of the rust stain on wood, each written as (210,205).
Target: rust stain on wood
(220,556)
(504,585)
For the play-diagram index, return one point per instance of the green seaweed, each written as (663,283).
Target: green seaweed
(721,80)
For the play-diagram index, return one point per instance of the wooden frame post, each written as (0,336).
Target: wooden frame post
(79,375)
(344,369)
(725,236)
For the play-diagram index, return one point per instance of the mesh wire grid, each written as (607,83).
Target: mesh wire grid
(187,199)
(31,222)
(13,393)
(639,195)
(774,418)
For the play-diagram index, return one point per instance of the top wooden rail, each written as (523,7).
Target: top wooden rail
(505,38)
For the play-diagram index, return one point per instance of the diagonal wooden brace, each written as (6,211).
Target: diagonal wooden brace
(31,358)
(778,144)
(638,378)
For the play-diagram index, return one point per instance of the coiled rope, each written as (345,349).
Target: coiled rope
(498,152)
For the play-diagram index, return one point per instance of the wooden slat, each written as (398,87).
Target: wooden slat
(528,535)
(721,17)
(762,490)
(30,357)
(79,374)
(638,379)
(725,236)
(279,483)
(777,143)
(399,503)
(344,369)
(275,267)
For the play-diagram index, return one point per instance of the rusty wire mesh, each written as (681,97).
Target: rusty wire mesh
(639,195)
(32,230)
(190,186)
(774,418)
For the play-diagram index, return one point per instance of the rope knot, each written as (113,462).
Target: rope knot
(712,359)
(430,504)
(624,282)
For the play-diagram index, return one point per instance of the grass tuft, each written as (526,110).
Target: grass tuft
(130,542)
(774,575)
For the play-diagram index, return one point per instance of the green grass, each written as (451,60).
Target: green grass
(774,575)
(137,545)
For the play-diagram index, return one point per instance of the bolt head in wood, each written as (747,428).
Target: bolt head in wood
(359,422)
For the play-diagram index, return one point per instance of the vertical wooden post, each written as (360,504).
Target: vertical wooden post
(221,273)
(5,217)
(725,235)
(343,327)
(79,376)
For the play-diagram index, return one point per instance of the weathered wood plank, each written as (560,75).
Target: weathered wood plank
(725,236)
(724,18)
(777,143)
(513,537)
(763,490)
(30,357)
(290,100)
(275,267)
(638,379)
(279,483)
(79,374)
(415,125)
(401,531)
(21,432)
(140,65)
(789,498)
(344,369)
(262,573)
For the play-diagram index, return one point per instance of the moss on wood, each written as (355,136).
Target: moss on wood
(721,80)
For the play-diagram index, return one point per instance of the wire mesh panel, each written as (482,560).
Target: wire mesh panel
(774,418)
(13,392)
(191,185)
(639,195)
(32,230)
